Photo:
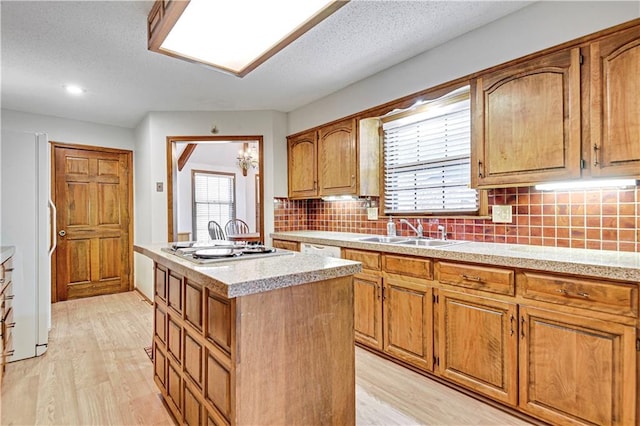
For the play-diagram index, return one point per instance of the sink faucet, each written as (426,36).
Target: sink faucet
(443,232)
(417,230)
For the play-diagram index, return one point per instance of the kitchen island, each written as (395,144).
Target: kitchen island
(257,341)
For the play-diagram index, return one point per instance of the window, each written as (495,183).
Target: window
(427,164)
(214,198)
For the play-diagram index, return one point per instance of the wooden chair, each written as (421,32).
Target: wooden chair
(215,231)
(236,226)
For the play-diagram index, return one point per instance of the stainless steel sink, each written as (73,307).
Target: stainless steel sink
(429,243)
(382,239)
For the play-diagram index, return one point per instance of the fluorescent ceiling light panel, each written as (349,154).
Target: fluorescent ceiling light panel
(586,184)
(238,35)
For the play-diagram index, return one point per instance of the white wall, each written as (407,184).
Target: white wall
(70,131)
(536,27)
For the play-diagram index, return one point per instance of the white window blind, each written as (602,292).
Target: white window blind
(427,158)
(213,199)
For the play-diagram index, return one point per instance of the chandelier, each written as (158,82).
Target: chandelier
(247,158)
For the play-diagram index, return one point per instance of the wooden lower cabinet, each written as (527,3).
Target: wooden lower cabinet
(478,344)
(264,358)
(408,322)
(577,370)
(367,307)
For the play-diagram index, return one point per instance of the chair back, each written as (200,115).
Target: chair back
(215,231)
(236,226)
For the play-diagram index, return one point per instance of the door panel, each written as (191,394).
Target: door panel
(573,369)
(92,191)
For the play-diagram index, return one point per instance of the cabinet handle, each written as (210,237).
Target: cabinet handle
(9,297)
(562,291)
(11,352)
(511,321)
(378,293)
(11,325)
(353,180)
(471,278)
(9,269)
(383,295)
(522,327)
(583,294)
(480,169)
(596,148)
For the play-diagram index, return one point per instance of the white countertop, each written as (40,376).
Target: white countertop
(596,263)
(6,252)
(237,278)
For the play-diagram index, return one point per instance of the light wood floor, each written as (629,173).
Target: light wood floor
(96,372)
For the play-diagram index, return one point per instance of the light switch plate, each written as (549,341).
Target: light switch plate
(501,214)
(372,213)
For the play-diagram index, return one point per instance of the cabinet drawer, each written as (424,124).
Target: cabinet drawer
(286,245)
(410,266)
(494,280)
(603,296)
(369,260)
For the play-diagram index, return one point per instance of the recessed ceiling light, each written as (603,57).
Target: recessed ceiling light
(74,89)
(232,36)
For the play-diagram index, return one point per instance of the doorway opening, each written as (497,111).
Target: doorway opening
(185,153)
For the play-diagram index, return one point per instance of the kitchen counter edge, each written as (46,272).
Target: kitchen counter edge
(244,277)
(623,266)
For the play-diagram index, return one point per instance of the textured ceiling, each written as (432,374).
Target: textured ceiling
(101,45)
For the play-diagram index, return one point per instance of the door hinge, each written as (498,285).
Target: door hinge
(581,59)
(435,298)
(638,344)
(583,164)
(436,361)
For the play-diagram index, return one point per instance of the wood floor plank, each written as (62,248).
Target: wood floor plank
(96,372)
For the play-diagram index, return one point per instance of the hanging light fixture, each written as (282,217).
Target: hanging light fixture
(247,158)
(234,36)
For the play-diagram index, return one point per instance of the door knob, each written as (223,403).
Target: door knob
(62,233)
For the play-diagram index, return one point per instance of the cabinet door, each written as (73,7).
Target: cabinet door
(526,122)
(337,159)
(478,344)
(577,370)
(408,322)
(302,162)
(615,108)
(367,310)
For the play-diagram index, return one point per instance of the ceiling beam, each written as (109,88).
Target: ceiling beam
(184,157)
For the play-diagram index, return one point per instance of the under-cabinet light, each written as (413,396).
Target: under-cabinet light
(339,198)
(235,36)
(586,184)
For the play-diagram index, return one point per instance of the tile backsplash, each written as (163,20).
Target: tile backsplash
(595,219)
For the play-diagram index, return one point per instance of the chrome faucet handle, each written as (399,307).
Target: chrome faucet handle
(420,230)
(443,232)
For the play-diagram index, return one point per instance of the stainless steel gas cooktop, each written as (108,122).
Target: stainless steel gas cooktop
(221,251)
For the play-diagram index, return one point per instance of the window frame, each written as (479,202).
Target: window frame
(194,210)
(426,97)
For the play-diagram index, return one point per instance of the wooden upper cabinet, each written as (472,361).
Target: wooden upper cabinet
(337,164)
(526,122)
(302,162)
(615,104)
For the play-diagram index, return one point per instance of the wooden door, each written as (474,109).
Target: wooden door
(337,160)
(526,122)
(478,344)
(367,309)
(615,108)
(302,162)
(94,203)
(408,322)
(577,370)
